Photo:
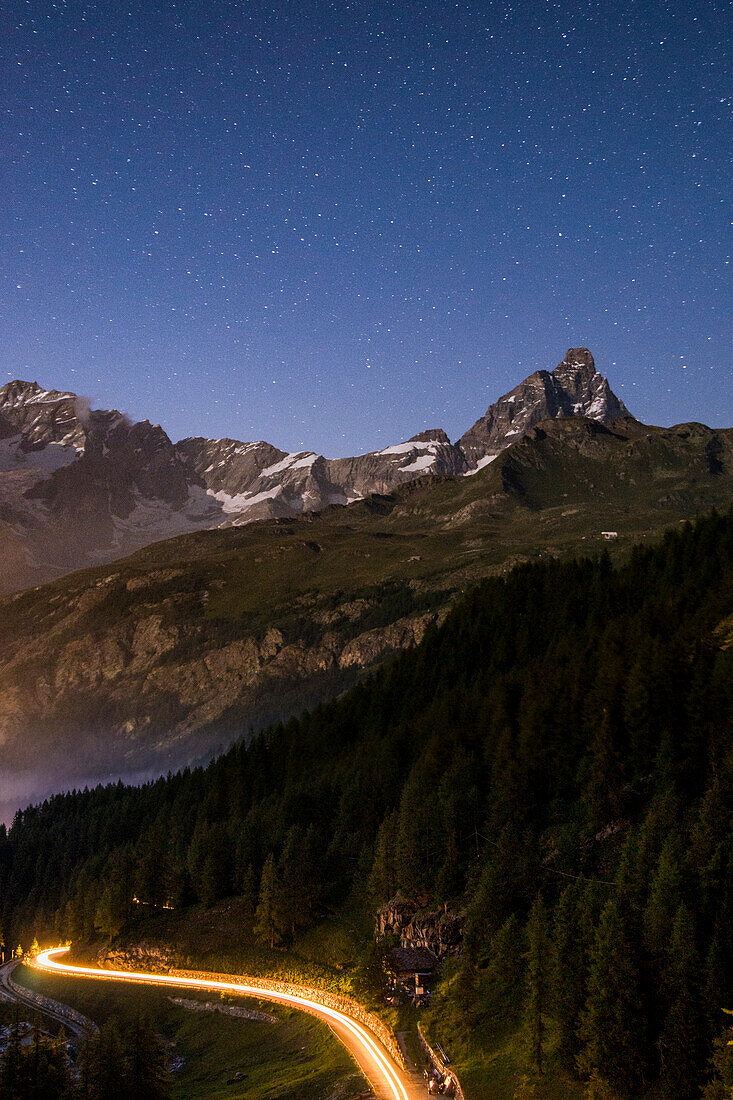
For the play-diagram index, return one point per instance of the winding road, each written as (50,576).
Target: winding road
(387,1079)
(59,1013)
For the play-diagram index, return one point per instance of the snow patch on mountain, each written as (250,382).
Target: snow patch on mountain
(242,501)
(305,463)
(405,448)
(423,462)
(46,460)
(294,461)
(480,465)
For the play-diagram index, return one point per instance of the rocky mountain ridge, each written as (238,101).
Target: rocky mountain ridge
(81,486)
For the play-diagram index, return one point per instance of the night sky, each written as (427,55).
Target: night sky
(331,225)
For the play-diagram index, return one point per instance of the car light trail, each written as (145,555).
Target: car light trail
(375,1056)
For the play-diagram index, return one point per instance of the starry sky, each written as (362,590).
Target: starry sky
(331,225)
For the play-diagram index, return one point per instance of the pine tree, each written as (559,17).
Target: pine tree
(502,975)
(248,888)
(108,915)
(720,1086)
(539,968)
(659,913)
(267,923)
(682,1042)
(215,878)
(419,843)
(383,882)
(573,938)
(40,1071)
(294,908)
(12,1070)
(604,771)
(146,1071)
(458,801)
(103,1066)
(614,1026)
(198,849)
(715,987)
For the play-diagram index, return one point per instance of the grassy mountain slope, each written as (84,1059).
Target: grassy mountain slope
(158,659)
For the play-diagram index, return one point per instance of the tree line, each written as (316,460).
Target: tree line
(556,761)
(116,1062)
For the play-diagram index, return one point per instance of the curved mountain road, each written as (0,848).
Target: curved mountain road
(387,1079)
(73,1023)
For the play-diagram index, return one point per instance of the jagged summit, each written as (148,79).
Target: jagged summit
(573,388)
(79,486)
(19,392)
(430,435)
(578,363)
(41,416)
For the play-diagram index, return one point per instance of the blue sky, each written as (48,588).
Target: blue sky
(332,225)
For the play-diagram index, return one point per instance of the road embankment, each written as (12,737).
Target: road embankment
(74,1022)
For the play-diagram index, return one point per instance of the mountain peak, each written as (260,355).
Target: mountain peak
(577,361)
(60,460)
(573,388)
(41,416)
(19,392)
(430,435)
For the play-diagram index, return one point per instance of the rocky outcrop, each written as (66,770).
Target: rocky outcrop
(136,664)
(438,930)
(221,1009)
(372,645)
(154,958)
(394,917)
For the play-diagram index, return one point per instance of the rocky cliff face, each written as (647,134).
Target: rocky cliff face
(81,486)
(573,388)
(132,676)
(438,930)
(149,957)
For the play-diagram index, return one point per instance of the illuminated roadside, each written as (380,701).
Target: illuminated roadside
(362,1044)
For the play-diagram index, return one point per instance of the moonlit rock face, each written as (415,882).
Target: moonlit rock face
(41,416)
(81,486)
(573,388)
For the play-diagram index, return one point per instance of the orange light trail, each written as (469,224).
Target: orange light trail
(373,1053)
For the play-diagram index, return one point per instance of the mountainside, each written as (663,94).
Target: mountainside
(79,486)
(155,661)
(548,776)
